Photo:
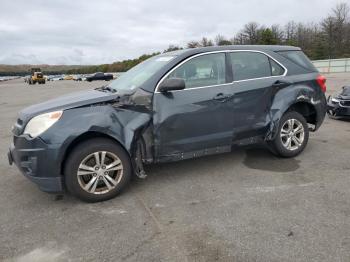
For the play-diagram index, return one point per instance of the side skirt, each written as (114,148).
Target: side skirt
(194,154)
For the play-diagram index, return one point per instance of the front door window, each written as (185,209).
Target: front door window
(205,70)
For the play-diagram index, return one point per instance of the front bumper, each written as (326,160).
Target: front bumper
(337,110)
(36,161)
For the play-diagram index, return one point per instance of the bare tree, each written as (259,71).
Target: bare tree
(290,30)
(277,33)
(221,40)
(206,42)
(328,27)
(193,44)
(172,48)
(240,38)
(251,32)
(341,19)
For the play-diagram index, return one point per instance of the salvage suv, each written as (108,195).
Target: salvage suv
(173,106)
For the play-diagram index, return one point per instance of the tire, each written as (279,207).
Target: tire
(298,139)
(332,114)
(83,160)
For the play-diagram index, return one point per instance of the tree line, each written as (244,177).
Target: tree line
(327,39)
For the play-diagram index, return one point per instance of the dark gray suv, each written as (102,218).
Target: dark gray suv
(173,106)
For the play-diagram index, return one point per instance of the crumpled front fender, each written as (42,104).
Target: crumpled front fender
(123,125)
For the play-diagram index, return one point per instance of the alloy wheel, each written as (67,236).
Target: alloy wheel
(292,134)
(100,172)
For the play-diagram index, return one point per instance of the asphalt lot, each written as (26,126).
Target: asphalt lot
(243,206)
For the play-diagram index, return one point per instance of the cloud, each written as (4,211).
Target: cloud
(94,32)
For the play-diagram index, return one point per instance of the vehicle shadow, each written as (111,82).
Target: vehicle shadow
(237,163)
(261,159)
(342,119)
(256,158)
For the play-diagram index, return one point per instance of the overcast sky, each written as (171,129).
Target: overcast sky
(95,32)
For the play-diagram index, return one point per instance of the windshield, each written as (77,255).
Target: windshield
(139,74)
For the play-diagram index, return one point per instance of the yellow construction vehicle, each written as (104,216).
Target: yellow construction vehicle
(36,77)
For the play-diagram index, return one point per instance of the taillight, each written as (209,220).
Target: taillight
(321,81)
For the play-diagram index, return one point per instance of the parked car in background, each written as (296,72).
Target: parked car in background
(338,106)
(77,77)
(68,77)
(174,106)
(56,78)
(99,76)
(50,77)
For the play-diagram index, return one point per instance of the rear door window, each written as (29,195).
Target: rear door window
(249,65)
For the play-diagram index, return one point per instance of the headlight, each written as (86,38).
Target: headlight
(334,100)
(41,123)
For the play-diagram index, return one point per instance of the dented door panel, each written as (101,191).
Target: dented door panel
(191,120)
(252,102)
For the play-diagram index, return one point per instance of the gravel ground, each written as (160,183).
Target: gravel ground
(243,206)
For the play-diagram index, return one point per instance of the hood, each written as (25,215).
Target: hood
(345,93)
(72,100)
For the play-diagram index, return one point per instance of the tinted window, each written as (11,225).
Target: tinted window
(276,69)
(249,65)
(299,58)
(205,70)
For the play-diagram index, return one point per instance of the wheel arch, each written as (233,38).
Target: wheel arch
(306,109)
(84,137)
(303,107)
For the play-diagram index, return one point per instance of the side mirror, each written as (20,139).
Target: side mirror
(171,84)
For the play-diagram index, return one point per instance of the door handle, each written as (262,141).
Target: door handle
(221,97)
(281,83)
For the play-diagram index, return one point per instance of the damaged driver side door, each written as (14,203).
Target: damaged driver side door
(198,119)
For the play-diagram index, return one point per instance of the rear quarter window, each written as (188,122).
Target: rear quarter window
(276,69)
(298,58)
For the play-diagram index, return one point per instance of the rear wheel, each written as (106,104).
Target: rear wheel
(97,170)
(292,136)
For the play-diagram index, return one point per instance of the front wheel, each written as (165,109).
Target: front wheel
(292,136)
(97,170)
